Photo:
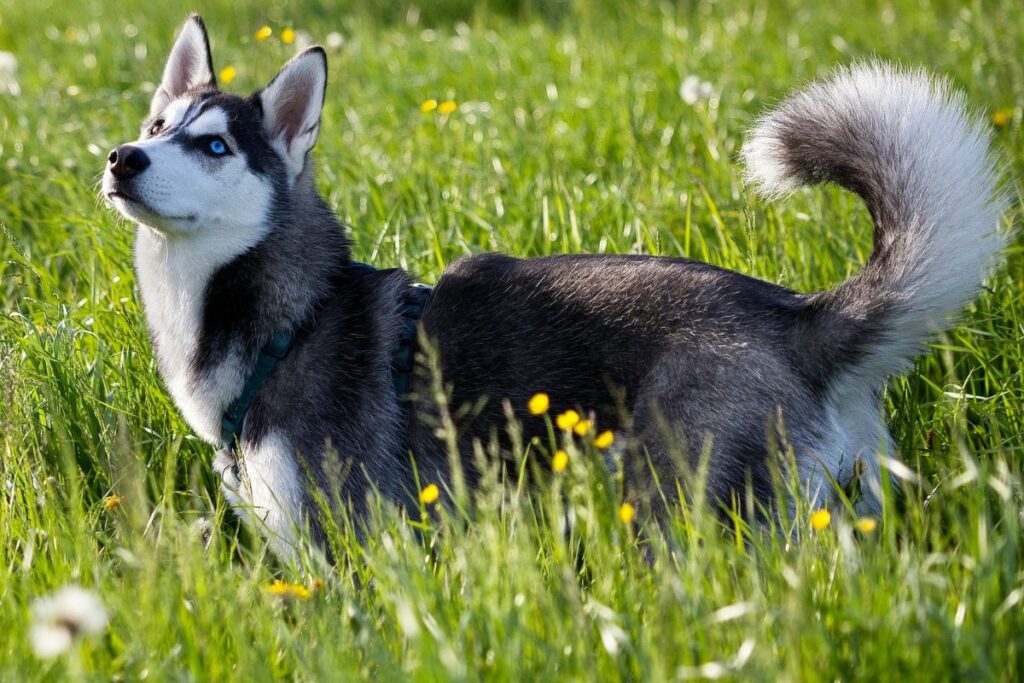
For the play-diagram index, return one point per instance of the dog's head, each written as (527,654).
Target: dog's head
(209,161)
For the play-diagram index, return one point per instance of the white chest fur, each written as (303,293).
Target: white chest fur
(173,273)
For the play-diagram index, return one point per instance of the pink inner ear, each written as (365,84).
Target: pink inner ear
(187,67)
(291,106)
(188,64)
(291,109)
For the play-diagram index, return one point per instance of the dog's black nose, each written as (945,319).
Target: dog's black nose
(127,161)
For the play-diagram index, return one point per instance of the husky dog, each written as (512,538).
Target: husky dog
(683,360)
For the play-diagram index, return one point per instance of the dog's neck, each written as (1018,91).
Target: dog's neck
(212,303)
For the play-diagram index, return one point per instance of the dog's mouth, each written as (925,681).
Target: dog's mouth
(121,194)
(135,204)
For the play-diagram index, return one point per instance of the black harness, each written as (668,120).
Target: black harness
(278,346)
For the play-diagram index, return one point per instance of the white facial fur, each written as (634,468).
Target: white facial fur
(184,191)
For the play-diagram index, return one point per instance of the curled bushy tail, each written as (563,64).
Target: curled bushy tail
(906,144)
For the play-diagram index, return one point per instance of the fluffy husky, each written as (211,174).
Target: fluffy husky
(682,359)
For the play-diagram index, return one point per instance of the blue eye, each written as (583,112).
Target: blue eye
(217,147)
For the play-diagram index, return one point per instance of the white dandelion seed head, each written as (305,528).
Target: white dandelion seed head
(303,39)
(335,40)
(693,90)
(8,64)
(59,618)
(9,73)
(49,640)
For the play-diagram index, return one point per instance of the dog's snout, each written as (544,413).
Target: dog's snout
(126,161)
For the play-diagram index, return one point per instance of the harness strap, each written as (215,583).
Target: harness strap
(402,362)
(234,417)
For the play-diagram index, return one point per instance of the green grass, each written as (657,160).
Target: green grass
(570,136)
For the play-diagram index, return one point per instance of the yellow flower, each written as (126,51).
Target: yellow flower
(559,461)
(227,74)
(866,525)
(264,33)
(582,427)
(288,36)
(112,501)
(428,106)
(429,494)
(604,439)
(1001,117)
(539,404)
(567,420)
(283,589)
(820,519)
(626,513)
(447,107)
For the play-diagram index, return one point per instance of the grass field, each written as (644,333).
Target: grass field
(570,134)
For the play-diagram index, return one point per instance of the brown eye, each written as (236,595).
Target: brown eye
(157,126)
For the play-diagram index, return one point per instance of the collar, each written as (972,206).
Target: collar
(402,361)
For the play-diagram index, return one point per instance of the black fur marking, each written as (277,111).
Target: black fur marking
(636,341)
(245,125)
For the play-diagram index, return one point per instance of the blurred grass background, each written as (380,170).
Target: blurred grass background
(570,134)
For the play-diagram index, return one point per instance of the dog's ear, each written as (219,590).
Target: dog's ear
(291,104)
(188,66)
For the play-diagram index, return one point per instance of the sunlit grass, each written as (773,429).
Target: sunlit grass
(529,129)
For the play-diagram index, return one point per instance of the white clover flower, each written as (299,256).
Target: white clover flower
(694,90)
(8,64)
(335,40)
(303,39)
(58,619)
(8,73)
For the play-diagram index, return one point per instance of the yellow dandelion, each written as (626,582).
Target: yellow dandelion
(866,525)
(447,107)
(1001,117)
(428,106)
(604,439)
(112,501)
(430,494)
(284,589)
(582,427)
(626,513)
(559,461)
(539,404)
(264,33)
(227,74)
(820,519)
(288,36)
(567,420)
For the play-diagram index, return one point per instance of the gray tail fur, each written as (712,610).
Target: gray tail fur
(907,145)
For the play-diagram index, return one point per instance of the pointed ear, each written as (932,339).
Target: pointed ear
(188,66)
(291,106)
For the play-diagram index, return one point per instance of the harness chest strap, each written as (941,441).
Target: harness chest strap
(402,362)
